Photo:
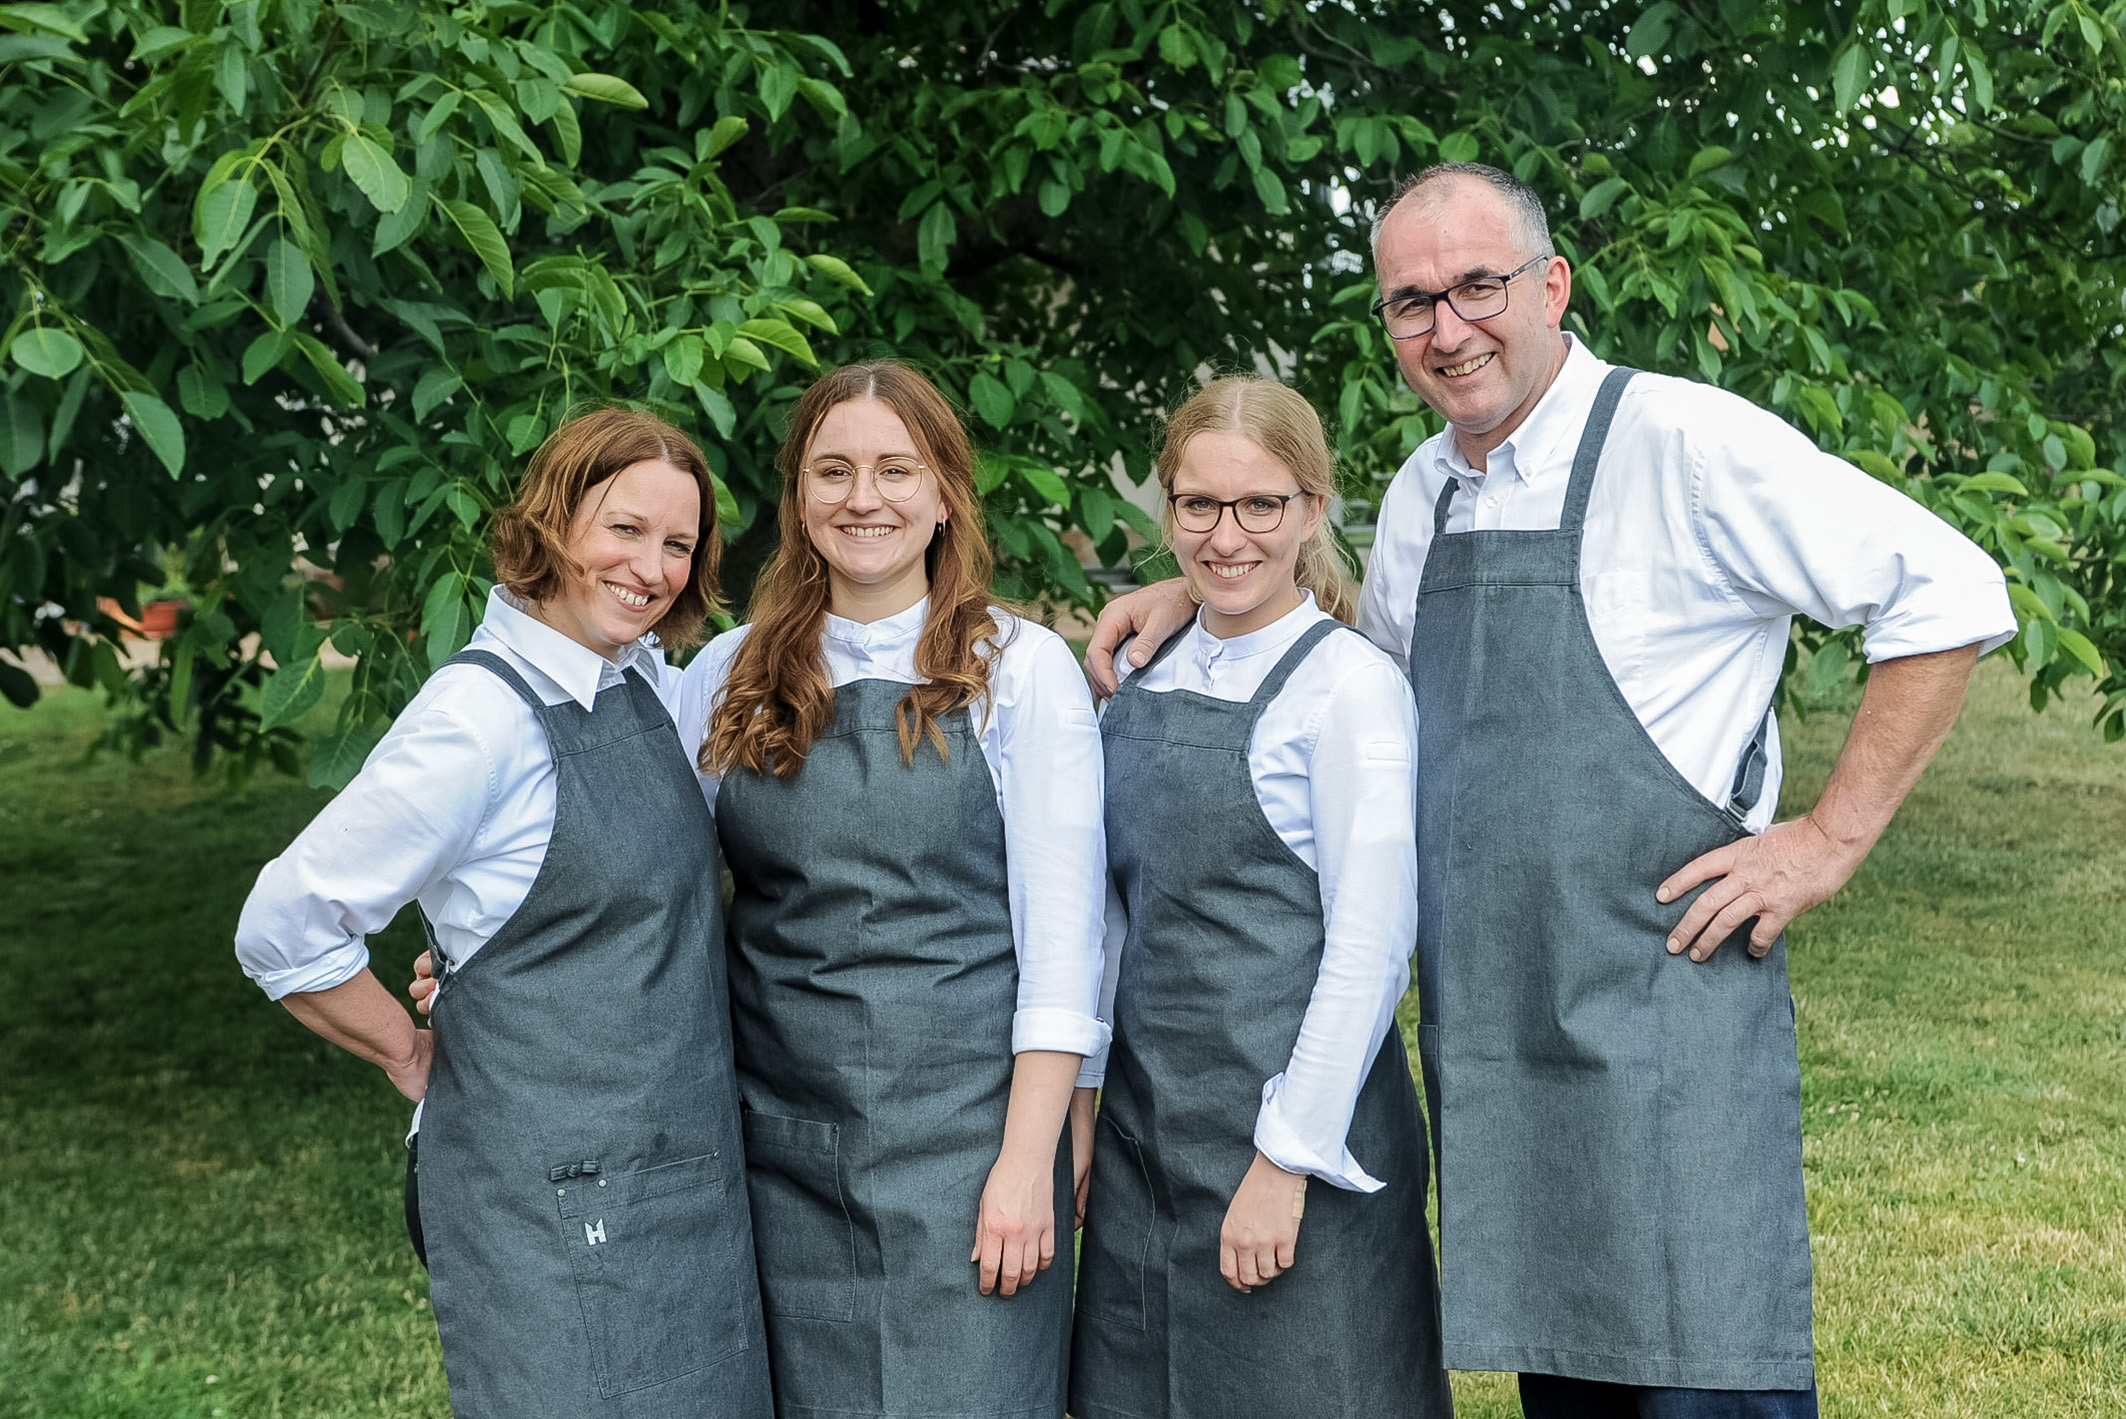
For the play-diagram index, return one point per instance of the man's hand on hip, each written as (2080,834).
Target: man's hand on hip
(1774,876)
(1151,613)
(1905,714)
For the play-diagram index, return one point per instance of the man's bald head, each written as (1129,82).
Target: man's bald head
(1429,193)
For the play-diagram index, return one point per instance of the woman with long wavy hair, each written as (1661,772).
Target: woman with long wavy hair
(906,781)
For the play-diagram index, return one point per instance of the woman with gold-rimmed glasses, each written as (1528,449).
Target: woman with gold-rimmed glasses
(907,786)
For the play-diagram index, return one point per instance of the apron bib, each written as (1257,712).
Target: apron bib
(873,981)
(1225,943)
(1619,1130)
(582,1191)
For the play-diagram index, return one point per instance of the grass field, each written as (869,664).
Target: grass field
(199,1208)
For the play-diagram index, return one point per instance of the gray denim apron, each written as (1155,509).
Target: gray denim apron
(1618,1129)
(582,1180)
(873,982)
(1224,947)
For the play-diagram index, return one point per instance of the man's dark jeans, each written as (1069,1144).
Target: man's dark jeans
(1554,1397)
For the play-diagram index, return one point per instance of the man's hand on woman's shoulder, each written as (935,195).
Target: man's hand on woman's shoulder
(1151,614)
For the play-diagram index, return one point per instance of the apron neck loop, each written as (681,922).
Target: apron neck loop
(1289,662)
(1592,437)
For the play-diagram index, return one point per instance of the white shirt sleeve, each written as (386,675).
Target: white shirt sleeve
(1115,932)
(410,815)
(1795,529)
(699,685)
(1387,598)
(1365,839)
(1050,776)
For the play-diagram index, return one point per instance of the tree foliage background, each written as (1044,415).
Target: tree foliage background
(307,279)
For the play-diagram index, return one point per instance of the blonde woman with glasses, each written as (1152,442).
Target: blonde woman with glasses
(1262,852)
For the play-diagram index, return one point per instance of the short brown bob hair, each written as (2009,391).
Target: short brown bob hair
(530,537)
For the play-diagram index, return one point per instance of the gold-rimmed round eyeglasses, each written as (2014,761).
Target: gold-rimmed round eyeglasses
(829,479)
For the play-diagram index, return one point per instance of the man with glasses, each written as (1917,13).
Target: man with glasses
(1590,575)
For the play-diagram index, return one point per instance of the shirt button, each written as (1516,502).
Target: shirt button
(1491,502)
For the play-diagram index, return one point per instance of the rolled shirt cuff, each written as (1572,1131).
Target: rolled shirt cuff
(336,967)
(1065,1031)
(1989,626)
(1278,1141)
(1094,1073)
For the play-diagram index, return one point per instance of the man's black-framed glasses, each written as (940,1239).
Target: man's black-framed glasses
(1410,314)
(1256,512)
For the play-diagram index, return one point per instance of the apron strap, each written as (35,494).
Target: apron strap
(1590,451)
(1289,662)
(1749,774)
(504,671)
(1439,509)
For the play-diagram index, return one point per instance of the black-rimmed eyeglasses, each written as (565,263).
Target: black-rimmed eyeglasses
(1409,314)
(1256,512)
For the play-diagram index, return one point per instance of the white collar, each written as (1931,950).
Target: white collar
(1209,649)
(577,670)
(883,636)
(1557,417)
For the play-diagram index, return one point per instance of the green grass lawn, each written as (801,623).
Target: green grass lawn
(199,1205)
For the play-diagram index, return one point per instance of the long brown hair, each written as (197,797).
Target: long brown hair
(530,536)
(1279,420)
(776,700)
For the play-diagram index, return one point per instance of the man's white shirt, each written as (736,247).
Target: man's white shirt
(1711,525)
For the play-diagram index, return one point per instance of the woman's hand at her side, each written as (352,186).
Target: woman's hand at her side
(1261,1233)
(1081,1146)
(1016,1238)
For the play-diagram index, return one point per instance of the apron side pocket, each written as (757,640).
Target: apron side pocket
(801,1225)
(1119,1217)
(640,1245)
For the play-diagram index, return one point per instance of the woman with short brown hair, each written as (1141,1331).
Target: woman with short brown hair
(906,779)
(580,1194)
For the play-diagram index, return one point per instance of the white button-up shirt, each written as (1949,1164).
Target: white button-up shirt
(454,809)
(1330,761)
(1041,743)
(1712,524)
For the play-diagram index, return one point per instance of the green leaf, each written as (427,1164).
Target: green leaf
(1601,197)
(1270,190)
(221,216)
(1709,158)
(1995,483)
(2078,645)
(728,130)
(991,399)
(1849,71)
(158,428)
(339,756)
(43,350)
(485,239)
(1176,47)
(381,179)
(21,438)
(718,408)
(2094,158)
(232,78)
(934,235)
(778,85)
(265,353)
(782,335)
(1046,483)
(1981,79)
(17,685)
(344,388)
(605,88)
(291,692)
(1650,31)
(290,283)
(53,18)
(837,269)
(445,623)
(346,504)
(1459,147)
(161,269)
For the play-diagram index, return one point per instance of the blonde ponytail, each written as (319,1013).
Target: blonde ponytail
(1279,419)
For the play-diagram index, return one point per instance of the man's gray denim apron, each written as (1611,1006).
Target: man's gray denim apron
(874,980)
(1619,1129)
(1224,947)
(582,1189)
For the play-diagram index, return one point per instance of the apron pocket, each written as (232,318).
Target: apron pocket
(659,1270)
(801,1226)
(1118,1230)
